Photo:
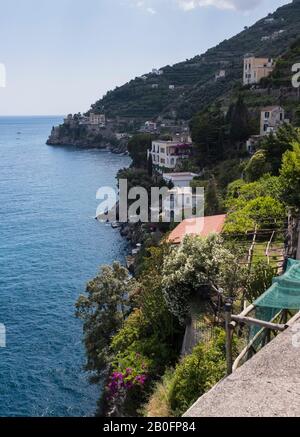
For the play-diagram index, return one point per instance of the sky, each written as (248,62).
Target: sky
(60,56)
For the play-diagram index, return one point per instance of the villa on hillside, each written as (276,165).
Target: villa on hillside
(149,127)
(98,120)
(220,75)
(271,118)
(256,68)
(167,154)
(201,226)
(179,179)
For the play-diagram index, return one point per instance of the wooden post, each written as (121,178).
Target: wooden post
(229,332)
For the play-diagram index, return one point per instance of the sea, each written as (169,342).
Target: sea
(50,246)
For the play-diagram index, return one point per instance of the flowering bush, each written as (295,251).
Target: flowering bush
(191,268)
(131,372)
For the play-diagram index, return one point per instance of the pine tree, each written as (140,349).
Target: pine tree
(150,165)
(239,119)
(212,203)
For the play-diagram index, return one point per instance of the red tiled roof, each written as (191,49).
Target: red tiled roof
(202,226)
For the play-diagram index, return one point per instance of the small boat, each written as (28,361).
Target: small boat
(115,225)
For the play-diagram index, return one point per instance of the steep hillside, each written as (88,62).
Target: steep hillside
(194,80)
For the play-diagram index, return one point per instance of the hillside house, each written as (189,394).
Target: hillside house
(220,75)
(157,72)
(200,226)
(172,87)
(167,154)
(150,126)
(182,179)
(97,119)
(256,68)
(271,118)
(253,143)
(182,202)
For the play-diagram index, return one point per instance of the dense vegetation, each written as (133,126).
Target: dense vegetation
(194,79)
(134,327)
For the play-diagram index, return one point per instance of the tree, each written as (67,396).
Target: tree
(257,166)
(239,120)
(264,212)
(138,147)
(150,166)
(212,201)
(259,280)
(208,135)
(297,117)
(103,312)
(290,176)
(190,269)
(275,145)
(239,192)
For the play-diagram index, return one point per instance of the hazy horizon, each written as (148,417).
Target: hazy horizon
(60,57)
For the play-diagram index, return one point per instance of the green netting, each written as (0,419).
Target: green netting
(285,290)
(284,294)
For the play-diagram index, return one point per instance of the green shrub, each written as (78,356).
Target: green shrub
(198,372)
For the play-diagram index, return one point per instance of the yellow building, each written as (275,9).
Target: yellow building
(256,68)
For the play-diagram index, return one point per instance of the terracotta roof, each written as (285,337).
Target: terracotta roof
(202,226)
(270,108)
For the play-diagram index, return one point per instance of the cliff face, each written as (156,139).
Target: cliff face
(86,136)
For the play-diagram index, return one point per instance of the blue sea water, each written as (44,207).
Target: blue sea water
(50,246)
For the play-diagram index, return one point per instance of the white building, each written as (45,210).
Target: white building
(157,72)
(150,126)
(252,144)
(167,154)
(256,68)
(179,179)
(220,75)
(271,118)
(154,86)
(182,201)
(171,87)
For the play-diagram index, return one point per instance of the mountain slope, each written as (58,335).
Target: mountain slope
(194,80)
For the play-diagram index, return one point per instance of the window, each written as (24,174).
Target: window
(162,161)
(162,150)
(267,114)
(266,127)
(281,116)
